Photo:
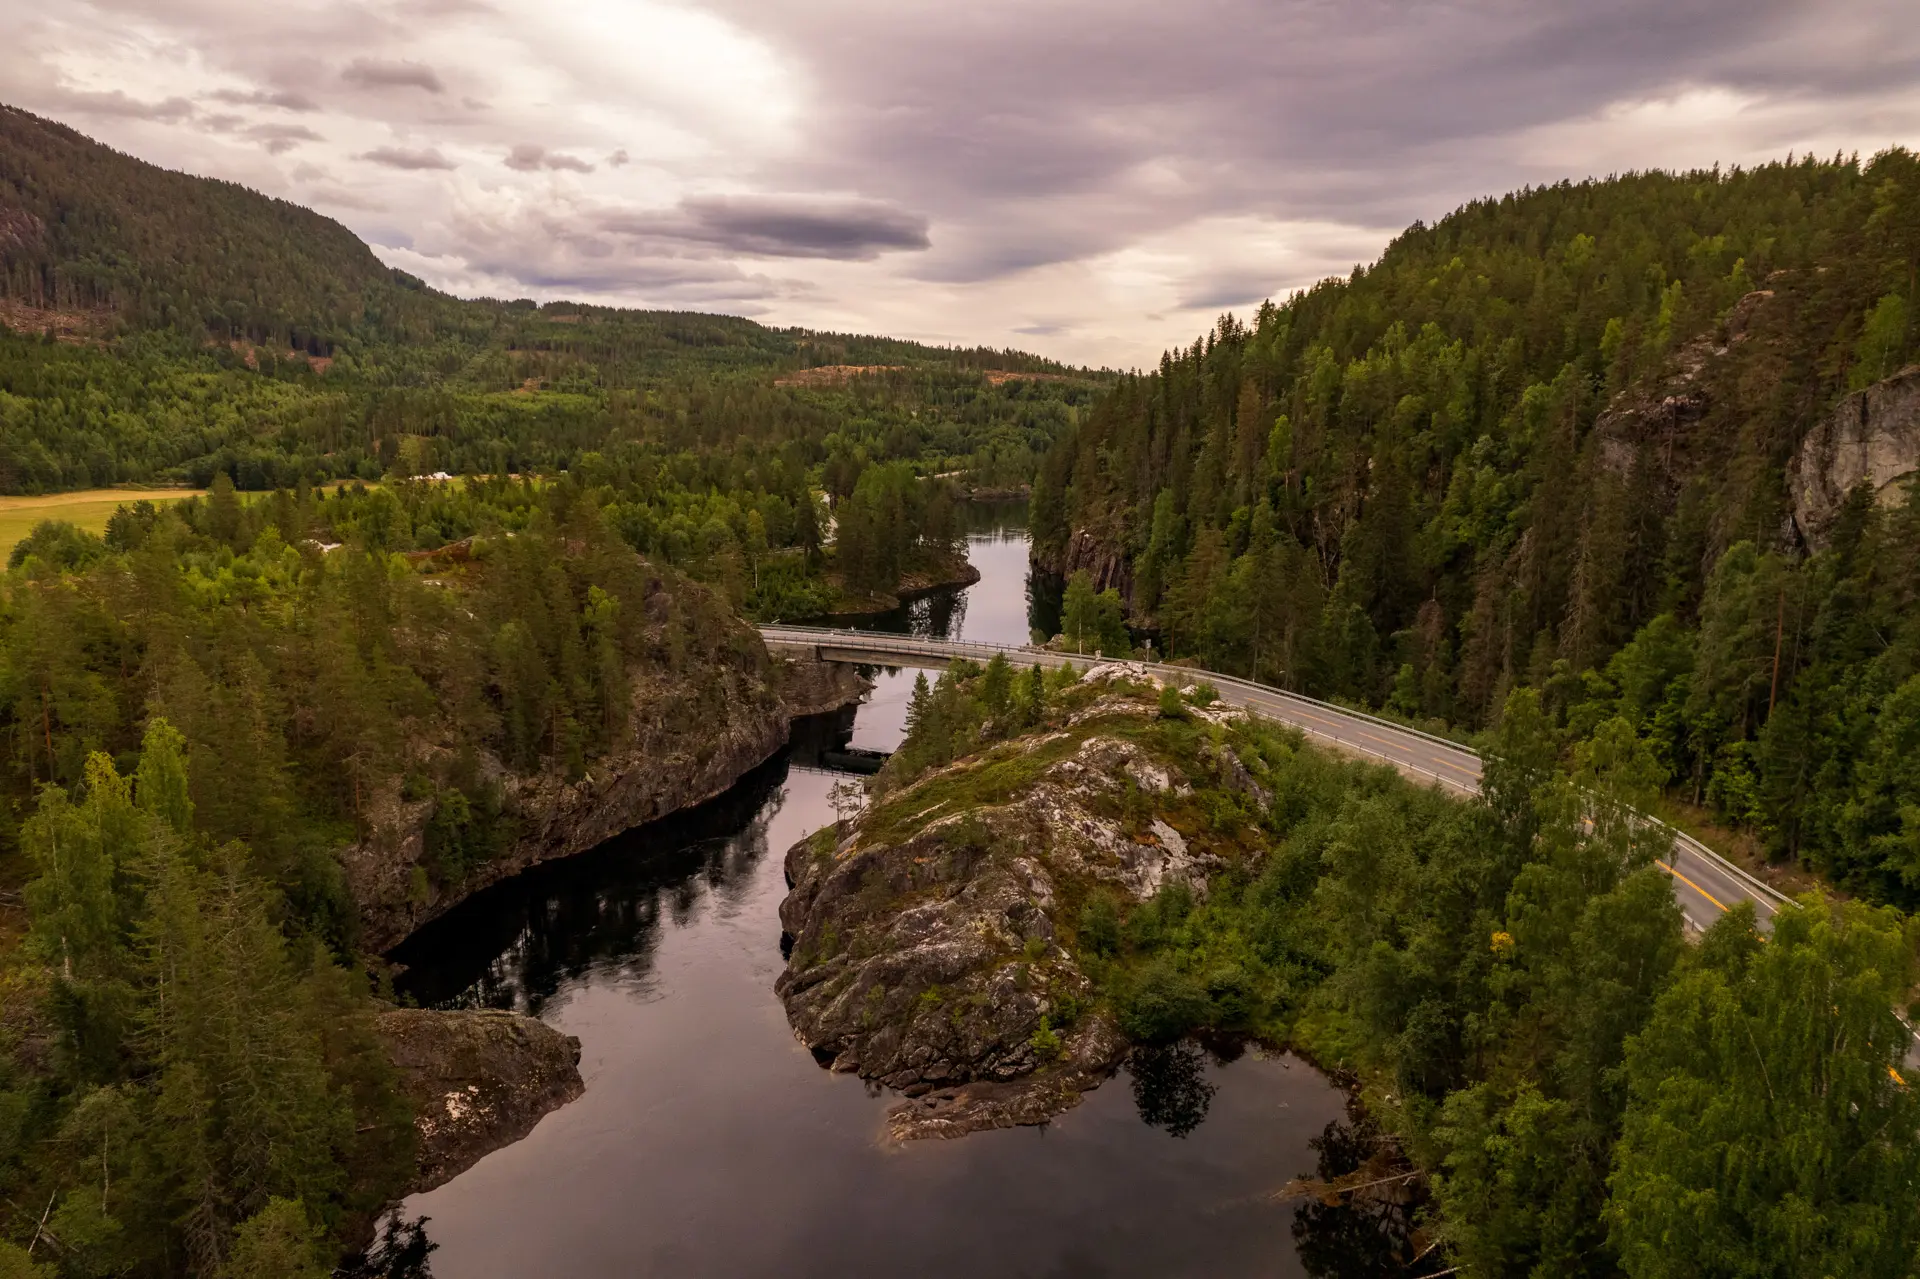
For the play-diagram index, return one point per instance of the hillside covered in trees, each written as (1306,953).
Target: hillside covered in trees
(1639,444)
(1570,467)
(252,737)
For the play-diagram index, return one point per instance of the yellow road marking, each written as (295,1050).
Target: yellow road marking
(1690,884)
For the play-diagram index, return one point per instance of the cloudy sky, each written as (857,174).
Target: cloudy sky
(1091,180)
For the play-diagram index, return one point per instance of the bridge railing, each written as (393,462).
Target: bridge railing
(959,648)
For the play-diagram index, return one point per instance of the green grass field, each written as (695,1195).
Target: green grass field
(89,508)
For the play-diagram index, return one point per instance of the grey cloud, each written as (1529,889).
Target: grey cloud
(780,226)
(377,73)
(994,138)
(1058,145)
(593,268)
(405,158)
(118,103)
(1226,294)
(286,101)
(337,197)
(528,158)
(281,138)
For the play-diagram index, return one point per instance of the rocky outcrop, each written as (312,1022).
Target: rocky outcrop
(1100,558)
(691,735)
(477,1081)
(956,574)
(1871,437)
(1661,415)
(934,957)
(809,687)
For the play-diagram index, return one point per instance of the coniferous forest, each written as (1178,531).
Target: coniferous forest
(1572,473)
(1583,440)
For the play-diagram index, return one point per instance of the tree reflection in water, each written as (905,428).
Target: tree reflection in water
(1369,1230)
(1170,1085)
(518,943)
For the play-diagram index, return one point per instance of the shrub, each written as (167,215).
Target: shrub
(1100,925)
(1163,1003)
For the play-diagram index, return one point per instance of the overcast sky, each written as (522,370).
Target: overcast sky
(1093,181)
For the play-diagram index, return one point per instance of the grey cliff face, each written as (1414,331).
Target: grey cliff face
(933,963)
(1871,437)
(692,737)
(816,688)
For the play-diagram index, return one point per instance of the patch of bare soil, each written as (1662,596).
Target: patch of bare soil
(67,326)
(833,374)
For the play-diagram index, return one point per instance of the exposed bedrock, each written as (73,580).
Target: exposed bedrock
(933,959)
(478,1080)
(1871,437)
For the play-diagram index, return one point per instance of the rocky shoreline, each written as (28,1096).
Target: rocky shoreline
(692,744)
(481,1080)
(477,1080)
(913,586)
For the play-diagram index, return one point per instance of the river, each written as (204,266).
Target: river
(710,1143)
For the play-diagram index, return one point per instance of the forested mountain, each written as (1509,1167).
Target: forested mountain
(168,328)
(1637,443)
(1611,471)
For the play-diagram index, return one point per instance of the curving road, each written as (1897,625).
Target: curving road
(1705,883)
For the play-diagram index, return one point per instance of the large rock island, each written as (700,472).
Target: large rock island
(940,941)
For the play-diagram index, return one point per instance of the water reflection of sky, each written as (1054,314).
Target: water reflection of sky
(994,610)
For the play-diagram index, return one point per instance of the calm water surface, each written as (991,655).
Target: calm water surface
(709,1142)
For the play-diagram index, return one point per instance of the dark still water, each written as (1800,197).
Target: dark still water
(709,1142)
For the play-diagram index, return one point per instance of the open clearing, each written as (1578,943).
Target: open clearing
(89,508)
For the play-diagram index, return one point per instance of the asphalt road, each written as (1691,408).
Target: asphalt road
(1706,884)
